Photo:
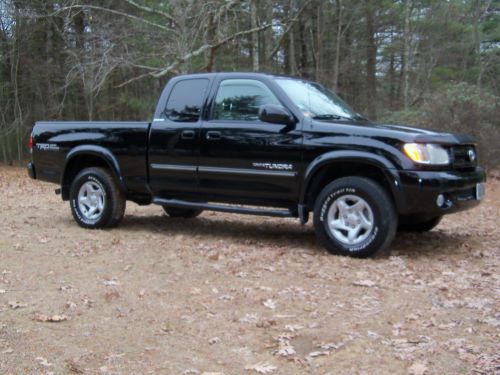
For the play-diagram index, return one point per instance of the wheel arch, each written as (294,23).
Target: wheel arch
(337,164)
(86,156)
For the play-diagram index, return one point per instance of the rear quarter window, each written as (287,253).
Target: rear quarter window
(186,99)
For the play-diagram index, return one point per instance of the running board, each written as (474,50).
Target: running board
(223,208)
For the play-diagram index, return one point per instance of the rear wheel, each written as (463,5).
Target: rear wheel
(354,216)
(418,224)
(95,199)
(186,213)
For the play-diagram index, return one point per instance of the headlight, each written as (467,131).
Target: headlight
(429,153)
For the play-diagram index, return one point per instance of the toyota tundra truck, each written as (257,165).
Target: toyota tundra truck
(261,144)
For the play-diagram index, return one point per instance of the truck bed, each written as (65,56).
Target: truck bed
(54,141)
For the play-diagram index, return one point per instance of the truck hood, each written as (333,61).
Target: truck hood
(401,133)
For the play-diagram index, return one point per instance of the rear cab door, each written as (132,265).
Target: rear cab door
(242,159)
(174,139)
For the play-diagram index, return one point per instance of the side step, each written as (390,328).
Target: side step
(223,208)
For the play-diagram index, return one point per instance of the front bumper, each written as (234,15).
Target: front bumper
(419,191)
(31,170)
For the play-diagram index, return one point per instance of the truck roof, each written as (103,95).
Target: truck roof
(234,74)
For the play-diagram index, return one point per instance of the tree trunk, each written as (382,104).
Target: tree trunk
(3,145)
(18,113)
(371,61)
(210,40)
(318,55)
(392,90)
(291,43)
(303,49)
(406,54)
(336,65)
(255,35)
(79,24)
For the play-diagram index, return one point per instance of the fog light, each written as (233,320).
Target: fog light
(440,200)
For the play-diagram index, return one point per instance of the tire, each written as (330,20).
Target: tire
(95,199)
(364,216)
(185,213)
(418,224)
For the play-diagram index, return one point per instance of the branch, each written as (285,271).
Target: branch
(151,10)
(117,12)
(195,53)
(205,47)
(287,29)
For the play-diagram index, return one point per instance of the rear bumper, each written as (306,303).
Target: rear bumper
(419,191)
(31,170)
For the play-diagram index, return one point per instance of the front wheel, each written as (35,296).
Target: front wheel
(95,199)
(354,216)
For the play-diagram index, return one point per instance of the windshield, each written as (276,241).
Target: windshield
(316,101)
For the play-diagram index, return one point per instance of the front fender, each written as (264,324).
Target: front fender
(334,157)
(100,152)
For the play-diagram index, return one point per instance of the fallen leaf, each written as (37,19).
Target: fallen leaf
(50,318)
(214,256)
(43,361)
(192,371)
(111,282)
(366,283)
(261,368)
(266,323)
(74,367)
(16,305)
(286,351)
(418,368)
(318,354)
(213,340)
(293,327)
(332,345)
(167,327)
(3,291)
(269,303)
(111,295)
(70,305)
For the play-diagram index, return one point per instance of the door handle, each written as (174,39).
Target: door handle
(188,134)
(213,135)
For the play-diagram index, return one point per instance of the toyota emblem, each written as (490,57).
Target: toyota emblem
(472,155)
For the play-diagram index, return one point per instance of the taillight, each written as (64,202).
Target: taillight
(30,143)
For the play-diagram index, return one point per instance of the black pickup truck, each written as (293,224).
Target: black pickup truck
(262,144)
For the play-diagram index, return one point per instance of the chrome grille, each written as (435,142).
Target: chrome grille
(463,157)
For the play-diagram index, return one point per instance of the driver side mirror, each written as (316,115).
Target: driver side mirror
(275,114)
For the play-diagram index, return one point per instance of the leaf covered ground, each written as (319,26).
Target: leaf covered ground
(230,294)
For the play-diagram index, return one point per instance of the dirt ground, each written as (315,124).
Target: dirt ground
(230,294)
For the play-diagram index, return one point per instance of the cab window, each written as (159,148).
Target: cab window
(240,99)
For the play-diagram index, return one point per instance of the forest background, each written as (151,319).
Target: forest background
(430,63)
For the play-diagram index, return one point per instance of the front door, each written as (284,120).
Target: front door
(175,140)
(242,158)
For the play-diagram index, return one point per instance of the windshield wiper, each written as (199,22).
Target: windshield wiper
(360,117)
(330,116)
